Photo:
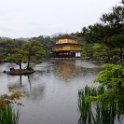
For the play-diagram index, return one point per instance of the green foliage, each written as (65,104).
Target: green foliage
(7,47)
(94,33)
(116,41)
(13,50)
(99,50)
(17,56)
(8,115)
(115,18)
(112,76)
(19,51)
(96,107)
(33,48)
(107,99)
(12,98)
(33,51)
(2,54)
(46,42)
(109,34)
(87,53)
(92,109)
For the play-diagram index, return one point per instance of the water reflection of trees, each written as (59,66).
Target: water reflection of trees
(30,90)
(94,111)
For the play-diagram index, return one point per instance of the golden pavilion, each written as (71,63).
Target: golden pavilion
(66,47)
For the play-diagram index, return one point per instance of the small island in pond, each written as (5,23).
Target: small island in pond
(13,71)
(30,51)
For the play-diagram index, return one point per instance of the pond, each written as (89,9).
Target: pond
(51,93)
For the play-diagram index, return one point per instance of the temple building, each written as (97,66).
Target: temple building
(66,47)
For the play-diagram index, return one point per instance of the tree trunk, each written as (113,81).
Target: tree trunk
(109,59)
(20,65)
(28,65)
(121,55)
(122,1)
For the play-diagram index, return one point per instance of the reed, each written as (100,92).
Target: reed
(8,115)
(95,112)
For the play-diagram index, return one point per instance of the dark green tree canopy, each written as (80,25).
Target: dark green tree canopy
(33,51)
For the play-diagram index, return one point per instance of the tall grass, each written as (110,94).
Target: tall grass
(8,115)
(92,110)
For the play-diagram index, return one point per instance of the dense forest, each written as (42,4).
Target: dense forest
(105,39)
(8,46)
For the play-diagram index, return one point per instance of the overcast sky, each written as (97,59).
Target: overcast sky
(28,18)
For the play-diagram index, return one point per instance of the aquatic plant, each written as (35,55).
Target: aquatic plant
(8,115)
(101,105)
(92,109)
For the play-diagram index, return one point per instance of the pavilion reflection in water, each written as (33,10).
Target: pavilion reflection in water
(67,70)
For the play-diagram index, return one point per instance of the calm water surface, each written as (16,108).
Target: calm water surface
(51,93)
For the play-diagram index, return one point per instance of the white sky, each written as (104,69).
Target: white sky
(28,18)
